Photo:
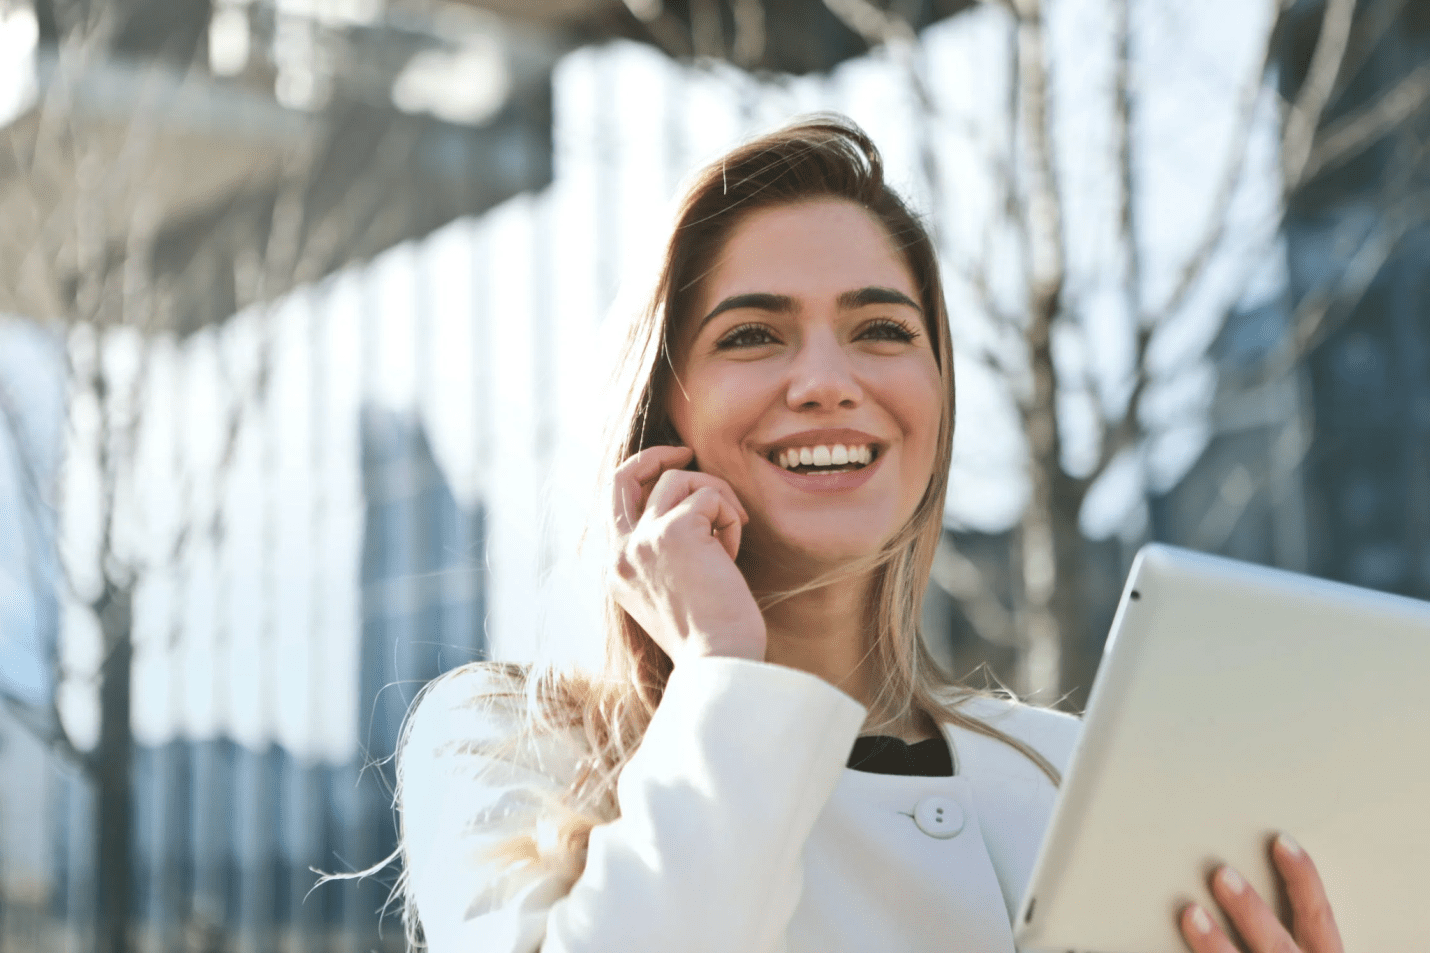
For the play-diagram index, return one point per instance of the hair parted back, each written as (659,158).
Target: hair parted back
(820,157)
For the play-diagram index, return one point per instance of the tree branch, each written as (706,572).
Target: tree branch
(1122,137)
(1318,315)
(1310,105)
(43,723)
(750,36)
(1127,431)
(1044,217)
(1326,307)
(1349,137)
(29,468)
(1303,116)
(1370,27)
(1215,228)
(707,33)
(1235,494)
(873,24)
(958,576)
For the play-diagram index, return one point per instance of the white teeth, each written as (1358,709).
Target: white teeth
(824,456)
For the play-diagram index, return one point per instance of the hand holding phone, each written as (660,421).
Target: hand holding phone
(677,533)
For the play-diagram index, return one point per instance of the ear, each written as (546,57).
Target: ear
(666,435)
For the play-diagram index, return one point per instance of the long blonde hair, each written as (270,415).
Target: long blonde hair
(819,157)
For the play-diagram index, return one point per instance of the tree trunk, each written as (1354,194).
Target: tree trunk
(1041,660)
(112,770)
(1052,552)
(1069,604)
(1049,541)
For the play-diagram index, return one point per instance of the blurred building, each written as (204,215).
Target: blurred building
(227,838)
(367,127)
(1320,459)
(267,126)
(1368,465)
(31,428)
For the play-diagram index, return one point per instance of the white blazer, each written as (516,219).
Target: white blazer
(741,829)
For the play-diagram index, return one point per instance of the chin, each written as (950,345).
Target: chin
(824,547)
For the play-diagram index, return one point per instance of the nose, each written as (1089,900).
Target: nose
(822,376)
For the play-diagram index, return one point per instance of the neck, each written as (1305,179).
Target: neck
(825,632)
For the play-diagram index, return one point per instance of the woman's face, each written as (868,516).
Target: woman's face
(807,380)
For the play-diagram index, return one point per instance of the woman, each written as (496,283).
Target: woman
(770,760)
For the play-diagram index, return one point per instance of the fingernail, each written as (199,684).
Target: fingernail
(1289,845)
(1200,921)
(1232,881)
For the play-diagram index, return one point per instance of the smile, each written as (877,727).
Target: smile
(825,458)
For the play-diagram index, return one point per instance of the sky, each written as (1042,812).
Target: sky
(494,333)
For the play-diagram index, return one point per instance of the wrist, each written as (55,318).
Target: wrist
(749,646)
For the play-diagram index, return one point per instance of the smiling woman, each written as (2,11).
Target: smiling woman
(816,347)
(770,759)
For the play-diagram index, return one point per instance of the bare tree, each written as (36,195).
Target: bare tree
(109,293)
(1052,552)
(92,221)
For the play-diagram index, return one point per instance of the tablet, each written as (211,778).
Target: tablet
(1234,701)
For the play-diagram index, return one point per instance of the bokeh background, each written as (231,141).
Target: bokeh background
(305,314)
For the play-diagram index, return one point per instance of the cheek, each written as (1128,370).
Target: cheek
(716,412)
(917,399)
(920,414)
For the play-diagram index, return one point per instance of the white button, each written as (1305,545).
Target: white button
(939,817)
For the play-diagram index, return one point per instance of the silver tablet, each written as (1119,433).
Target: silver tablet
(1234,701)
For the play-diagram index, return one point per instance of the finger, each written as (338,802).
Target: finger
(716,516)
(729,532)
(675,485)
(1254,920)
(1202,933)
(1313,923)
(632,480)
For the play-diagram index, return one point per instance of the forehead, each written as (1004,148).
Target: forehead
(810,250)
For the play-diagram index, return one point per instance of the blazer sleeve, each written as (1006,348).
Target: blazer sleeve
(715,807)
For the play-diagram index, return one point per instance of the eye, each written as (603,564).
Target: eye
(887,329)
(746,335)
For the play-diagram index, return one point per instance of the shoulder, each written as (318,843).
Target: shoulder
(477,771)
(463,712)
(1052,733)
(476,721)
(475,702)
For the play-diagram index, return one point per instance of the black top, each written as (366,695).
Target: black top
(882,754)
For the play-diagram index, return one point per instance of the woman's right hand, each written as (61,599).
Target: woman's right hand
(676,536)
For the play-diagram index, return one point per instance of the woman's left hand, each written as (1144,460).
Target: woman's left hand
(1313,926)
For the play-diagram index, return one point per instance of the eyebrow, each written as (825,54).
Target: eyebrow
(850,300)
(784,304)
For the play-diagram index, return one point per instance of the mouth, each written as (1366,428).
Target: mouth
(824,458)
